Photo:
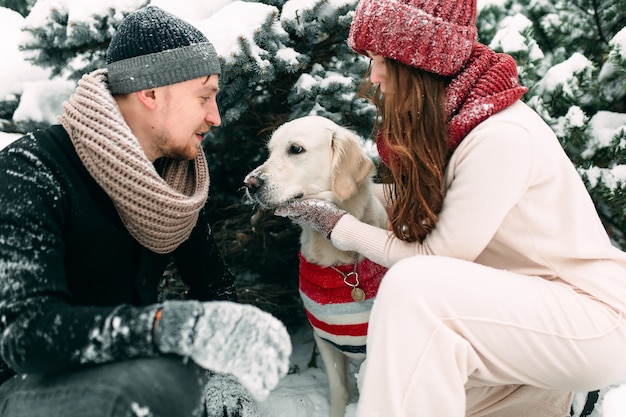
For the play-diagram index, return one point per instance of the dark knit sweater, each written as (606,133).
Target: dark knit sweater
(75,287)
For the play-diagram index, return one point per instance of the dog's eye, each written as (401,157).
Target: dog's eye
(295,149)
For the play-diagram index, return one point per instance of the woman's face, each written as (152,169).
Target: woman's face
(378,73)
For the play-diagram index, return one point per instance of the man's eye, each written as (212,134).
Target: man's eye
(296,149)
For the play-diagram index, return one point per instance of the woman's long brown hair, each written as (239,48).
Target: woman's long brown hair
(412,122)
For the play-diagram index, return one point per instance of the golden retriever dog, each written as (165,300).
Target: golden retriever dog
(313,157)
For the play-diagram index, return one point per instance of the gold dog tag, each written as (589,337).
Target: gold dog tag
(358,294)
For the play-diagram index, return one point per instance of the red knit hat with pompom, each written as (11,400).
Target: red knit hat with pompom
(434,35)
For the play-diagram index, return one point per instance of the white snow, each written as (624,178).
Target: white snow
(564,74)
(618,43)
(15,70)
(509,37)
(605,125)
(226,36)
(78,10)
(303,393)
(42,100)
(227,23)
(614,404)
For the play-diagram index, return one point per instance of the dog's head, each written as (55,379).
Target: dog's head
(309,157)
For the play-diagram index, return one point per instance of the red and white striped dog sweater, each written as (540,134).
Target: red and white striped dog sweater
(330,308)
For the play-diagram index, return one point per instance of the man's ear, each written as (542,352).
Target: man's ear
(147,98)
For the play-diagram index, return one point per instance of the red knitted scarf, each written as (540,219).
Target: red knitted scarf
(487,84)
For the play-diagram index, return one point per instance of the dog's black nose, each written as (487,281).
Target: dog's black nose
(253,183)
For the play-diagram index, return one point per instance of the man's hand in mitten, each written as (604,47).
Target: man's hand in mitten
(227,337)
(226,397)
(315,214)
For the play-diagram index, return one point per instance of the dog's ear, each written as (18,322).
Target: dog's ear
(350,165)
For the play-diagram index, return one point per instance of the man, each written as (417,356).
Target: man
(91,212)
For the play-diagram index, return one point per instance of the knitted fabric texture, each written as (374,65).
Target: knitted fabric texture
(486,85)
(153,48)
(434,35)
(332,312)
(158,211)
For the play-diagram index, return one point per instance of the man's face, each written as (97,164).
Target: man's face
(185,113)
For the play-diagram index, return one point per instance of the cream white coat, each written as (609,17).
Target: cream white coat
(514,201)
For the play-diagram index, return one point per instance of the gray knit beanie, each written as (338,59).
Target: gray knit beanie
(153,48)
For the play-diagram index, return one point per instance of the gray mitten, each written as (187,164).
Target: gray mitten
(226,397)
(227,337)
(319,215)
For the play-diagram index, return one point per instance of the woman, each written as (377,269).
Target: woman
(504,293)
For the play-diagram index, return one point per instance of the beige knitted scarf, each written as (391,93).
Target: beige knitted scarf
(159,210)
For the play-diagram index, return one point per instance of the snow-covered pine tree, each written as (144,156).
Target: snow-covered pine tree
(72,48)
(296,63)
(572,56)
(71,41)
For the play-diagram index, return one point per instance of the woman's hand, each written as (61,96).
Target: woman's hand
(319,215)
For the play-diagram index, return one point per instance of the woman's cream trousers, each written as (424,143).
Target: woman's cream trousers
(450,338)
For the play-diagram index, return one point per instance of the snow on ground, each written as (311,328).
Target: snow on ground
(304,392)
